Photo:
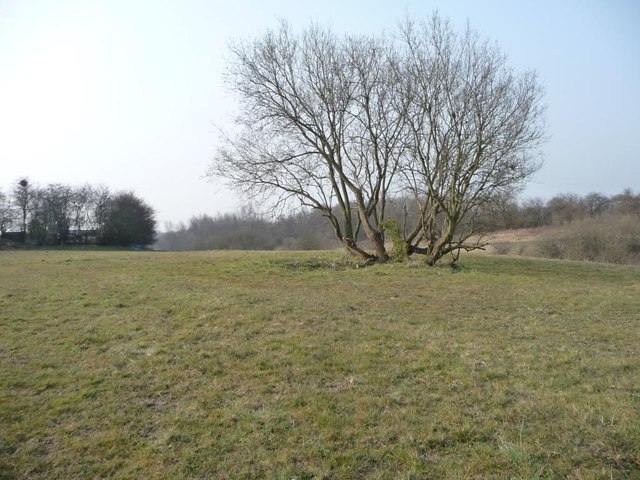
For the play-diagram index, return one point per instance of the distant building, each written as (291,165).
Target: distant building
(81,237)
(14,237)
(74,237)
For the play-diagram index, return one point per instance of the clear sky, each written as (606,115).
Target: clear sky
(125,92)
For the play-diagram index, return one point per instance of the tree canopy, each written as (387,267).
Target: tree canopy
(128,220)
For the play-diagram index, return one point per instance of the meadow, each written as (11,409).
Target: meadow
(299,365)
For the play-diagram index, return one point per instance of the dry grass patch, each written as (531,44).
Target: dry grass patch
(607,239)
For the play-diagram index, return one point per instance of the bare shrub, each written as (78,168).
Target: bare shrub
(502,248)
(610,239)
(591,245)
(550,249)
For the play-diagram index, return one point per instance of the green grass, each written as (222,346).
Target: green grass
(292,365)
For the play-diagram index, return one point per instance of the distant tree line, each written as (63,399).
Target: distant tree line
(565,208)
(59,214)
(307,229)
(248,230)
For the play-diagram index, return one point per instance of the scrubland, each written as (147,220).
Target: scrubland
(607,239)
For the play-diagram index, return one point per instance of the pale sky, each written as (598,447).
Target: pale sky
(125,92)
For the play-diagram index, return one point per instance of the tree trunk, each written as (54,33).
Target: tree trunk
(353,249)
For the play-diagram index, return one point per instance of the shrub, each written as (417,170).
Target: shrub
(550,249)
(610,239)
(400,246)
(502,248)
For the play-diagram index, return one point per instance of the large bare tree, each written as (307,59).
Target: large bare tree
(340,124)
(321,125)
(474,129)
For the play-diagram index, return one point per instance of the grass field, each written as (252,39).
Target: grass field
(293,365)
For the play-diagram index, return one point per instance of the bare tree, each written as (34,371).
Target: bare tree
(320,126)
(59,211)
(48,214)
(474,125)
(341,124)
(565,208)
(7,213)
(80,207)
(533,213)
(626,203)
(22,199)
(99,202)
(596,203)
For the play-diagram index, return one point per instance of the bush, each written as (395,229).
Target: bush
(550,249)
(400,250)
(502,248)
(610,239)
(590,246)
